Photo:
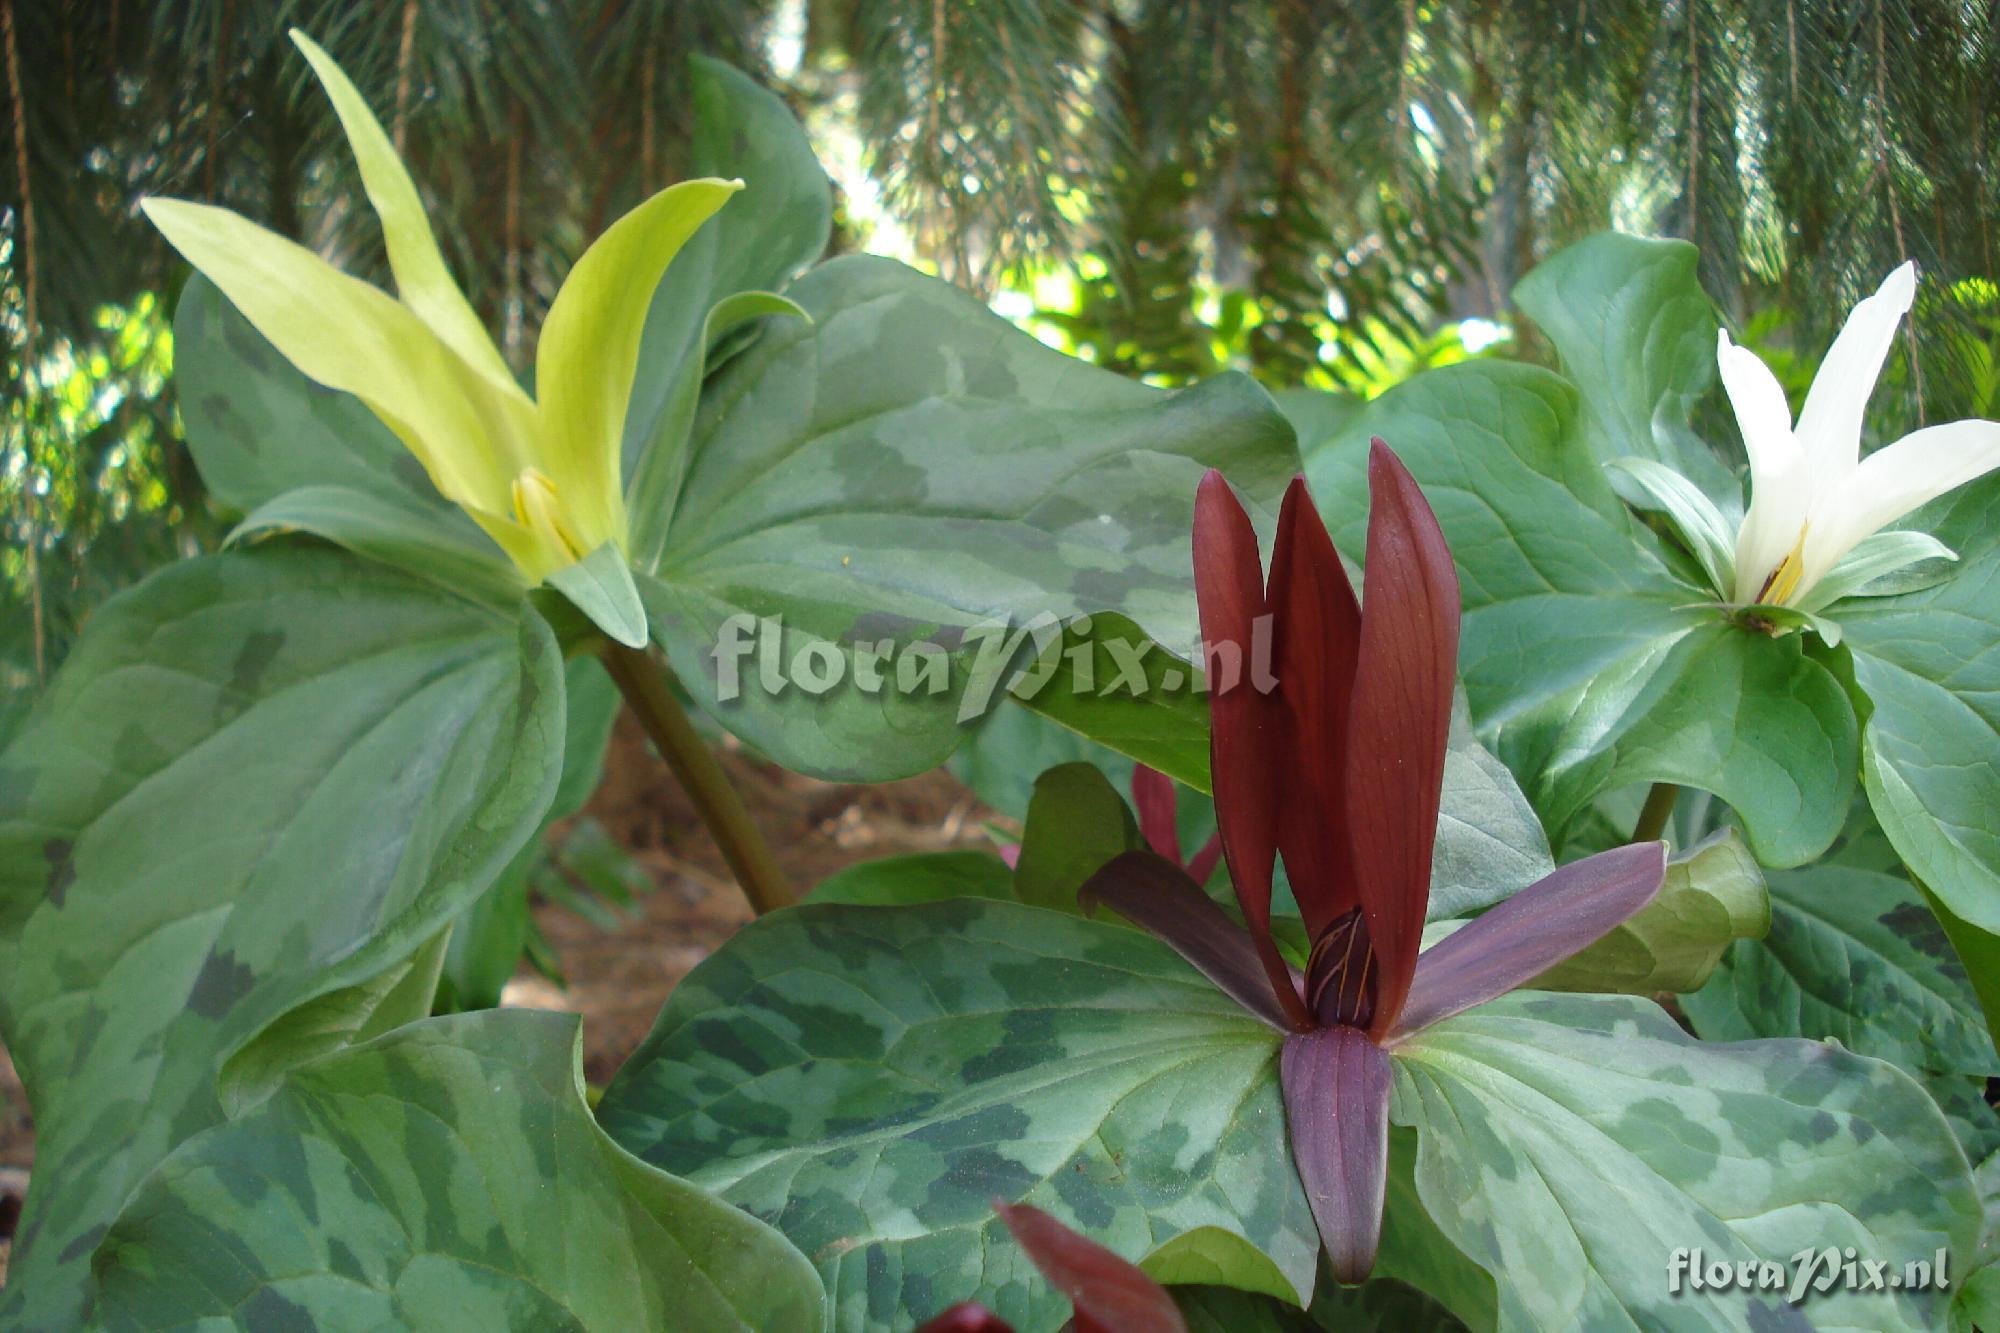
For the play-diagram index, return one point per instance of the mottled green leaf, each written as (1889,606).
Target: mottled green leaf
(870,1079)
(448,1175)
(1636,334)
(910,474)
(1076,822)
(1587,664)
(401,993)
(262,778)
(1713,898)
(489,937)
(927,877)
(1856,956)
(1570,1144)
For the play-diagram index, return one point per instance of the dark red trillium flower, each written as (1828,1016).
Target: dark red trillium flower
(1335,758)
(1154,798)
(1109,1294)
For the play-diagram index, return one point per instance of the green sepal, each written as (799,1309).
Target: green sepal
(600,586)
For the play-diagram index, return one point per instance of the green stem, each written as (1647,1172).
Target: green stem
(647,686)
(1653,816)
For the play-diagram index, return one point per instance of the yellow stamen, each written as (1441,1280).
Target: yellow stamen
(539,509)
(1784,580)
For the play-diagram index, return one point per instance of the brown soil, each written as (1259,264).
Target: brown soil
(619,978)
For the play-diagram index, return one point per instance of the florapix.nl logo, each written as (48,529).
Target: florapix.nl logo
(974,663)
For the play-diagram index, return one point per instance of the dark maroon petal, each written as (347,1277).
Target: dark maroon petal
(1316,634)
(966,1317)
(1245,734)
(1153,893)
(1531,932)
(1153,798)
(1108,1292)
(1202,866)
(1336,1083)
(1399,719)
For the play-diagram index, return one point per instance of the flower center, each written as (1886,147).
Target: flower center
(1784,580)
(538,507)
(1340,973)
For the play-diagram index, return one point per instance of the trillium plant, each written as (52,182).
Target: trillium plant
(1606,898)
(1339,767)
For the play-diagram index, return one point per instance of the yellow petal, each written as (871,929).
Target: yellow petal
(350,336)
(422,281)
(589,350)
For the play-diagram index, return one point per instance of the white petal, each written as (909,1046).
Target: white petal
(1761,412)
(1891,482)
(1830,423)
(1779,488)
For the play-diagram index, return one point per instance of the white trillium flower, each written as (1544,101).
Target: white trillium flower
(1813,499)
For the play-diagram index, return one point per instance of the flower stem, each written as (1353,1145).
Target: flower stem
(1654,814)
(647,686)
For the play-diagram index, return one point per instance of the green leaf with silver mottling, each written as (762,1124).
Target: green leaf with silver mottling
(1076,822)
(1417,1252)
(402,993)
(448,1175)
(262,778)
(490,936)
(295,455)
(869,1079)
(1636,335)
(911,478)
(926,877)
(1713,898)
(1570,1144)
(1855,956)
(1589,666)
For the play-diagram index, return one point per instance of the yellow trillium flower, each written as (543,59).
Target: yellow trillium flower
(541,475)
